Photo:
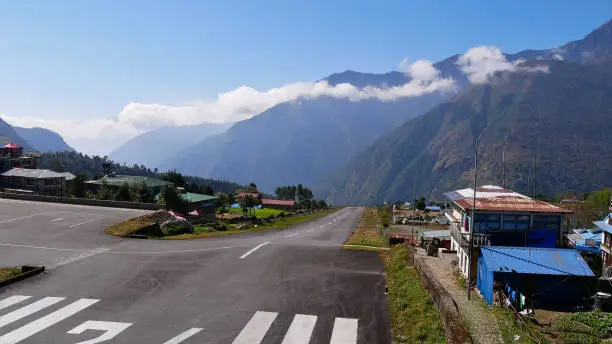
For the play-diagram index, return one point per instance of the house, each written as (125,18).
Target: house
(535,277)
(502,218)
(244,194)
(34,181)
(12,155)
(606,243)
(203,206)
(585,240)
(277,204)
(116,181)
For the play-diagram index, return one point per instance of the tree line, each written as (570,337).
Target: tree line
(290,192)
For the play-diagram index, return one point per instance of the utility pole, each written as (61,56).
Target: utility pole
(504,169)
(535,166)
(471,255)
(412,219)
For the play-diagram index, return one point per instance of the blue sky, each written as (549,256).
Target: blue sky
(80,60)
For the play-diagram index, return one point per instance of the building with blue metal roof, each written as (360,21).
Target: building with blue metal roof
(551,278)
(606,241)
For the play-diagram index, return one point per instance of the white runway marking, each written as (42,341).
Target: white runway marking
(345,331)
(254,249)
(310,230)
(111,330)
(181,337)
(290,235)
(19,218)
(28,310)
(59,218)
(82,223)
(9,301)
(256,329)
(103,250)
(300,330)
(50,319)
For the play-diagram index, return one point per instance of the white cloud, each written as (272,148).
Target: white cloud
(242,103)
(558,57)
(419,70)
(480,63)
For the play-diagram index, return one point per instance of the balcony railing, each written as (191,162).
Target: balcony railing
(464,238)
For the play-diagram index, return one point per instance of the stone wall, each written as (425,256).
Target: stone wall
(82,201)
(449,313)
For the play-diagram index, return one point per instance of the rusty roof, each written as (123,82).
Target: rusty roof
(510,203)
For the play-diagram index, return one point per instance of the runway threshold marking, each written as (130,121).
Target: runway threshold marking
(300,329)
(183,336)
(256,329)
(254,249)
(345,331)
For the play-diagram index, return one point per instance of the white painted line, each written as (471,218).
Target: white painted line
(300,330)
(111,330)
(102,250)
(254,249)
(48,320)
(290,235)
(28,310)
(255,330)
(310,230)
(19,218)
(59,218)
(9,301)
(181,337)
(345,331)
(82,223)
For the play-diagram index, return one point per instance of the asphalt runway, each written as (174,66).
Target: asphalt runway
(295,285)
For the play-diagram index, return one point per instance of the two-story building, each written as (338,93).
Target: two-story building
(606,241)
(502,218)
(34,181)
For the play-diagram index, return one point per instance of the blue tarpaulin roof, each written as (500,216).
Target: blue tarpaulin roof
(603,225)
(535,260)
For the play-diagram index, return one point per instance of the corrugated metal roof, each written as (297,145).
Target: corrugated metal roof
(535,260)
(31,173)
(194,197)
(485,191)
(277,202)
(510,203)
(437,234)
(119,180)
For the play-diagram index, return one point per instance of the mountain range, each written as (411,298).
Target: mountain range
(32,139)
(556,124)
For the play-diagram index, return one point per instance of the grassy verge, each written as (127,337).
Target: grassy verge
(126,227)
(413,316)
(6,273)
(204,231)
(367,232)
(259,213)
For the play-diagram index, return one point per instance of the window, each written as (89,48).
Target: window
(547,222)
(516,222)
(486,222)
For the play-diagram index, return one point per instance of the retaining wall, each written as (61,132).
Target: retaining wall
(82,201)
(444,303)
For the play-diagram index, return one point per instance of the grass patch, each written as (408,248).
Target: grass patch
(259,213)
(130,226)
(367,232)
(205,231)
(584,327)
(413,316)
(6,273)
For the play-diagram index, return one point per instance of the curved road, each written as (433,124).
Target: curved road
(295,285)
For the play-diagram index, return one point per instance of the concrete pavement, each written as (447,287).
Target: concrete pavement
(282,286)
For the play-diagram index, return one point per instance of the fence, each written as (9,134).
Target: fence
(82,201)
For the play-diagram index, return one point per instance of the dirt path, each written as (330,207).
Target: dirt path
(478,318)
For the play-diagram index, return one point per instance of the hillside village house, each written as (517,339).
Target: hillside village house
(502,218)
(606,241)
(116,181)
(12,155)
(35,182)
